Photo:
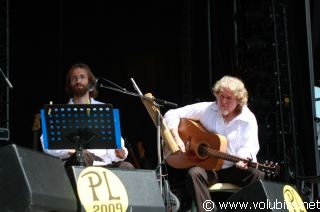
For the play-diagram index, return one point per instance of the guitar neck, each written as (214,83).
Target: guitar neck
(231,158)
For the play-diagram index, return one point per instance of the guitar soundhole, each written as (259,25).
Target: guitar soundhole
(202,150)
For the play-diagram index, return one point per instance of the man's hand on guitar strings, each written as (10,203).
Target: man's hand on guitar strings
(242,165)
(176,137)
(180,144)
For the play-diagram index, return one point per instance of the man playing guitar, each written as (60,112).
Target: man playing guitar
(230,117)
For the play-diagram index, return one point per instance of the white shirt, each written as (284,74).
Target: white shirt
(241,132)
(107,155)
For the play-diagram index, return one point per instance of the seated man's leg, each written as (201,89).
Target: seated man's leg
(198,180)
(121,164)
(240,177)
(87,157)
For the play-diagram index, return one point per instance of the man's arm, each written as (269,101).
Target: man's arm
(121,153)
(178,140)
(61,153)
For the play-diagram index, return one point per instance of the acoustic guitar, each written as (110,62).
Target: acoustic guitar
(204,149)
(208,150)
(35,129)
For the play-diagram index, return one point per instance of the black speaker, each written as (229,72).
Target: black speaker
(263,196)
(33,181)
(141,186)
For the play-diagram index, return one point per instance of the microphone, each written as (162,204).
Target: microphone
(6,79)
(93,85)
(112,83)
(91,88)
(136,87)
(96,82)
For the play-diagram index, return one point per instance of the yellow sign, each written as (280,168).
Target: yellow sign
(293,200)
(99,189)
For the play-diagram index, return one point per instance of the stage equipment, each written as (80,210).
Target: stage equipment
(109,188)
(4,134)
(265,196)
(33,181)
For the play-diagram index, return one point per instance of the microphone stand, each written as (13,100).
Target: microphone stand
(158,103)
(125,91)
(6,79)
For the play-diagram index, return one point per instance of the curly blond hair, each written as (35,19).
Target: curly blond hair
(235,85)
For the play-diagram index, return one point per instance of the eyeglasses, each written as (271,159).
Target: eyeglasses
(80,78)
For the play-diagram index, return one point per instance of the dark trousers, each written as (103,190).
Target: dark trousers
(121,165)
(199,179)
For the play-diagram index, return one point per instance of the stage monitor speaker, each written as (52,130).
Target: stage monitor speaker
(142,188)
(33,181)
(264,196)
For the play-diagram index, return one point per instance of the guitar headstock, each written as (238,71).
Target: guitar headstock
(140,149)
(36,122)
(270,169)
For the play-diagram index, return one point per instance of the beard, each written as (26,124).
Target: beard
(79,91)
(224,112)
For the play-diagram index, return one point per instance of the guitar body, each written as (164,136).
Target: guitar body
(193,136)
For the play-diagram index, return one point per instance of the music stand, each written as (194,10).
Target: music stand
(80,126)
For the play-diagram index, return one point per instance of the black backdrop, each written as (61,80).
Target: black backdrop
(118,41)
(139,39)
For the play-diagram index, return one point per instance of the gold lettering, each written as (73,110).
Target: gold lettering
(109,190)
(96,208)
(92,186)
(119,207)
